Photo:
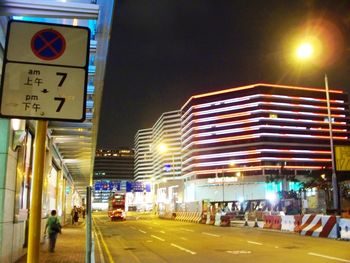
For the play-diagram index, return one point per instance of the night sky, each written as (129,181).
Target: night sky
(164,51)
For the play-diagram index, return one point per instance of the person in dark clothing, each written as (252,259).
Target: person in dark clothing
(53,226)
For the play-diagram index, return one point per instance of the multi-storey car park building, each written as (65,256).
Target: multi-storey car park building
(233,140)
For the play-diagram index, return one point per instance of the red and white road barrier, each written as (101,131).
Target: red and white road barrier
(288,223)
(319,226)
(344,224)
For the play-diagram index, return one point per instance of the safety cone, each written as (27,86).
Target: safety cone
(246,222)
(256,223)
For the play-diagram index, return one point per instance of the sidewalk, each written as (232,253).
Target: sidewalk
(70,246)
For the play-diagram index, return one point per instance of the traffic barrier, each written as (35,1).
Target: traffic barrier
(225,220)
(330,227)
(268,221)
(179,216)
(311,225)
(320,226)
(217,219)
(344,224)
(288,223)
(197,218)
(276,222)
(204,218)
(297,222)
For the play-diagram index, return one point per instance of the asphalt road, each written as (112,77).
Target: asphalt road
(144,238)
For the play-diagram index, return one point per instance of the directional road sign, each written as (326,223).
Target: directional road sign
(45,71)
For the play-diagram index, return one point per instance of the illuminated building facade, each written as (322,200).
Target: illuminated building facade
(233,140)
(143,155)
(153,163)
(261,130)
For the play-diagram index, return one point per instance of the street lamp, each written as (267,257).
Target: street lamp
(163,148)
(306,51)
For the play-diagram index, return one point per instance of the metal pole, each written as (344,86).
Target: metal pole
(88,225)
(334,176)
(37,187)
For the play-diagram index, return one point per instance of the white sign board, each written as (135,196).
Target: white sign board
(45,71)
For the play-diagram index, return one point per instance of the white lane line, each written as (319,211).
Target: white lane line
(325,256)
(236,252)
(183,249)
(183,238)
(209,234)
(188,230)
(159,238)
(163,232)
(142,231)
(255,243)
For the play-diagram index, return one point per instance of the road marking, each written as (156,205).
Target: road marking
(188,230)
(183,249)
(325,256)
(183,238)
(255,243)
(142,231)
(149,227)
(159,238)
(103,242)
(163,232)
(276,247)
(236,252)
(209,234)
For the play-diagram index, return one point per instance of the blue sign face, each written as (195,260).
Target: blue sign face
(48,44)
(137,187)
(167,167)
(107,186)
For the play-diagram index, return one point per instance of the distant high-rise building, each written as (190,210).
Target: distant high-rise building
(158,149)
(117,164)
(143,155)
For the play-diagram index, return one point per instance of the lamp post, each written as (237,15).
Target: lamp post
(163,148)
(305,51)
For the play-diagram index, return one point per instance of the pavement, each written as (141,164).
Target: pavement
(70,246)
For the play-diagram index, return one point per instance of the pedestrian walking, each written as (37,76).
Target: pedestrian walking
(75,215)
(53,227)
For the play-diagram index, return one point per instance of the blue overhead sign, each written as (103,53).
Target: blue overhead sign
(137,187)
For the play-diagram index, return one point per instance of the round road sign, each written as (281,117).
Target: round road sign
(48,44)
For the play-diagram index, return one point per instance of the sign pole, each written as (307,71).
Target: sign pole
(35,208)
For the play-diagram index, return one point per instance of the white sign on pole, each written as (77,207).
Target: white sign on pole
(45,71)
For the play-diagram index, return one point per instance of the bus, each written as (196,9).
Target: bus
(116,207)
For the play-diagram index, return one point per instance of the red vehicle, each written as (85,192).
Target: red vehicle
(116,207)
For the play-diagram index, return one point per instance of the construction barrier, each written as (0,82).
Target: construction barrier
(225,220)
(319,226)
(288,223)
(268,221)
(276,222)
(344,225)
(217,219)
(297,222)
(204,218)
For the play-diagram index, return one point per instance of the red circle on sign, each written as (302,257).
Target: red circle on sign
(48,44)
